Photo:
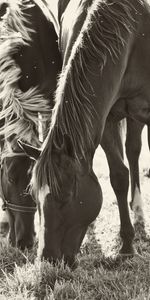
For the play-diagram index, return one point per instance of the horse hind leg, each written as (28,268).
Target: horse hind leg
(133,149)
(119,177)
(148,137)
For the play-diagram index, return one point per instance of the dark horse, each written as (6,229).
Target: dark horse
(103,77)
(25,59)
(111,136)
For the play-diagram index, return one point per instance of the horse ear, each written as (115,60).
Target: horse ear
(31,151)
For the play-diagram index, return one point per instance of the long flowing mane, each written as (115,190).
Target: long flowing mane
(18,107)
(73,111)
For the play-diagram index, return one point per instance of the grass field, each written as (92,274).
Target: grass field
(101,273)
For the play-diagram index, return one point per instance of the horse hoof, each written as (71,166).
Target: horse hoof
(127,251)
(4,228)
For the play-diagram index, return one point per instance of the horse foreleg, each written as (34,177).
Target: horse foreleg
(133,149)
(119,177)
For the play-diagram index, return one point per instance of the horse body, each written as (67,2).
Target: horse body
(102,75)
(128,104)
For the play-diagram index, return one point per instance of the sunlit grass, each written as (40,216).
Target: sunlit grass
(96,277)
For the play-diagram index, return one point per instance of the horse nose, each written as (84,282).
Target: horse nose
(71,261)
(52,255)
(23,243)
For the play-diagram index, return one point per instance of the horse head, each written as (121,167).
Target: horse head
(15,177)
(67,203)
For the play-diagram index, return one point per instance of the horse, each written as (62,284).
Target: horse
(25,59)
(102,76)
(133,149)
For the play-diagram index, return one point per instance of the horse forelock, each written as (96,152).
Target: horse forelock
(73,112)
(15,32)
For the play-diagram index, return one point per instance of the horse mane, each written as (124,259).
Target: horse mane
(71,114)
(44,5)
(17,107)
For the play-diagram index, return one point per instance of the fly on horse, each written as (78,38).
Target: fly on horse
(26,57)
(103,77)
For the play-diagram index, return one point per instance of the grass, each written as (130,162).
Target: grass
(97,277)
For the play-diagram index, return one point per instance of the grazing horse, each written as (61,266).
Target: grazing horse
(25,59)
(103,77)
(115,154)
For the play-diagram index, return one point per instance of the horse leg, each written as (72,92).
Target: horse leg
(119,178)
(133,149)
(148,137)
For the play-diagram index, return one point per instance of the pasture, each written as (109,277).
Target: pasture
(100,273)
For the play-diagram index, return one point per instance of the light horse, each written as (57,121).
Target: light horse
(25,59)
(102,75)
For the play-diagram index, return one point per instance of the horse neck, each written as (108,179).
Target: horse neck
(92,64)
(43,55)
(67,8)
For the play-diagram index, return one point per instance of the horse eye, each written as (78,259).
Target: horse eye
(11,180)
